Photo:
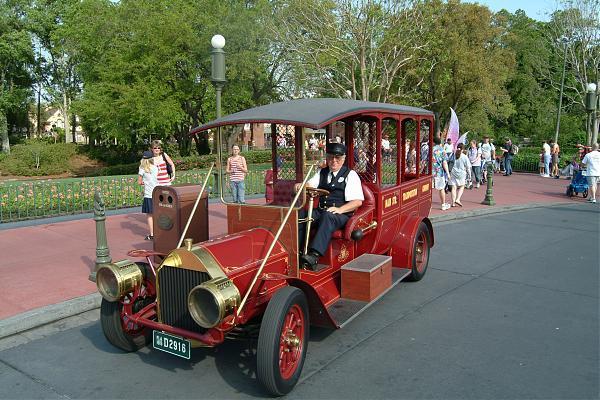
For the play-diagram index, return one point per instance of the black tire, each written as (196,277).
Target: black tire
(570,191)
(287,308)
(420,254)
(585,193)
(110,318)
(122,334)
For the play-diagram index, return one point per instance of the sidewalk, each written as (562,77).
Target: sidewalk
(44,270)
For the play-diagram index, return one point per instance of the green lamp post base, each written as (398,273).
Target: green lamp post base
(489,197)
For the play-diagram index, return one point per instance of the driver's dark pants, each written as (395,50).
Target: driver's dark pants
(325,223)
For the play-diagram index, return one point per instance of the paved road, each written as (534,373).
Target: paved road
(508,309)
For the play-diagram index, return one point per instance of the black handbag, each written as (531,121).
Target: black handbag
(169,168)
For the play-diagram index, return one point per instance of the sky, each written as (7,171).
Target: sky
(536,9)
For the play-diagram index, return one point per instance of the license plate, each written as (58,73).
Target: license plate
(171,344)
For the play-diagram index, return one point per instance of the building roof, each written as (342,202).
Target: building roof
(310,113)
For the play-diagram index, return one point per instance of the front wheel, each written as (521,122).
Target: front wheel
(420,254)
(117,326)
(282,341)
(585,193)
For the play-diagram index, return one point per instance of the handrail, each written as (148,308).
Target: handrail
(187,225)
(264,261)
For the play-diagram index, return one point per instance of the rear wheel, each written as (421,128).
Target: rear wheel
(420,258)
(282,341)
(585,193)
(570,191)
(115,317)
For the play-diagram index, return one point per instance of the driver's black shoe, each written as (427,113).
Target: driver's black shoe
(309,261)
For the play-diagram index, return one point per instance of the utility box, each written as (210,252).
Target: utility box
(366,277)
(171,209)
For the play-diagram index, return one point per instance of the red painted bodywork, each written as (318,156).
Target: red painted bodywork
(398,211)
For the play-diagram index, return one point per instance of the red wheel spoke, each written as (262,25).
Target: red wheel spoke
(291,340)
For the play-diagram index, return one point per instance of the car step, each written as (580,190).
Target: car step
(344,310)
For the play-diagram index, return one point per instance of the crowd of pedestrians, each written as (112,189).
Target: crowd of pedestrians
(466,166)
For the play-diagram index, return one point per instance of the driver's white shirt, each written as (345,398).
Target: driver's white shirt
(353,189)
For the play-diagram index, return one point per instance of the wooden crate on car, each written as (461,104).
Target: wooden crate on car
(366,277)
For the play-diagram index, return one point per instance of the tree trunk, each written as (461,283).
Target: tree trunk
(74,127)
(4,132)
(65,111)
(201,141)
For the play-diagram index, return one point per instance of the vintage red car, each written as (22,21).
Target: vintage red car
(202,293)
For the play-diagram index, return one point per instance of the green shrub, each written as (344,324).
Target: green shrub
(112,155)
(36,158)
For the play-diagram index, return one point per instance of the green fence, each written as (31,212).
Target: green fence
(525,165)
(48,198)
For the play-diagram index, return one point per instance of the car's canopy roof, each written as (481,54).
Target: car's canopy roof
(310,113)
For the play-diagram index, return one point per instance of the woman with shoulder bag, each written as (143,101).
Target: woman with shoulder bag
(164,163)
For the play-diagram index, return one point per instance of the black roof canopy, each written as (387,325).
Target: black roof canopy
(310,113)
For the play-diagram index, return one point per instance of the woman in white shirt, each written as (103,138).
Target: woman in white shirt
(148,177)
(474,155)
(458,175)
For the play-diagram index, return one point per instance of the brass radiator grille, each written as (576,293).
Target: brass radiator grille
(174,285)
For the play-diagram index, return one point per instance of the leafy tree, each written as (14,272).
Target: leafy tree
(57,63)
(16,58)
(348,48)
(533,98)
(577,27)
(465,65)
(146,66)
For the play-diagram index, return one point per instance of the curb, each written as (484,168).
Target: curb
(48,314)
(492,210)
(45,315)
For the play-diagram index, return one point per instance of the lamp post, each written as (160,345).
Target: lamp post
(560,96)
(217,77)
(591,106)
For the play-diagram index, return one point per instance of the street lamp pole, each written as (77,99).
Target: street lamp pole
(591,105)
(560,96)
(218,80)
(218,68)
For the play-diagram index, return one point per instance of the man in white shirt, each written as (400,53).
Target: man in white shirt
(386,148)
(547,159)
(448,148)
(335,209)
(487,156)
(591,161)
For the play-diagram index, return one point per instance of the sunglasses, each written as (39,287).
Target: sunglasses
(156,148)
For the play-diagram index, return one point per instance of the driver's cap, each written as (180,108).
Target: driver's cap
(336,149)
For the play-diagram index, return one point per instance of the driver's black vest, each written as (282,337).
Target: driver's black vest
(336,188)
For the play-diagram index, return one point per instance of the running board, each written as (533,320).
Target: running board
(345,310)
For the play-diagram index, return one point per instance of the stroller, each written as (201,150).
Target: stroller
(578,184)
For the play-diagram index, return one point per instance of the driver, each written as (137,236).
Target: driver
(345,196)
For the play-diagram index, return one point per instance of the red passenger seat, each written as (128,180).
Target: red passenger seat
(362,217)
(283,192)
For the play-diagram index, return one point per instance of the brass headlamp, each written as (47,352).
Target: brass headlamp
(213,300)
(117,279)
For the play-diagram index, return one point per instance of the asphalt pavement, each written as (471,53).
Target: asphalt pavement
(508,309)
